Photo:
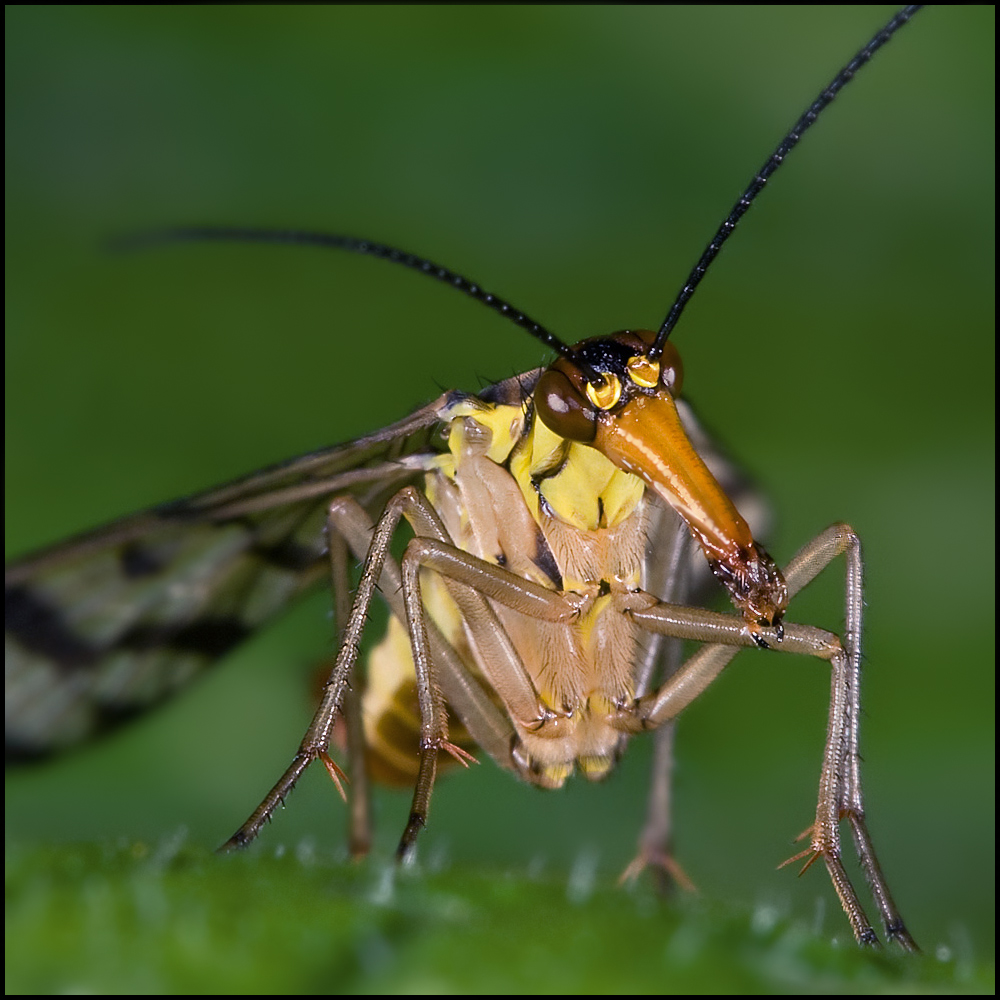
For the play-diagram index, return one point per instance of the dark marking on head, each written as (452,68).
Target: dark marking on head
(606,354)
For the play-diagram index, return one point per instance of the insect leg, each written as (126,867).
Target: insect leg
(655,848)
(660,661)
(840,793)
(484,721)
(464,693)
(842,739)
(486,724)
(469,581)
(316,742)
(359,825)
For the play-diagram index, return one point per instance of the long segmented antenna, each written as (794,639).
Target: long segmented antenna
(333,241)
(473,290)
(763,175)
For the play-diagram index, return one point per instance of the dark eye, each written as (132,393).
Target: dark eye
(672,369)
(563,409)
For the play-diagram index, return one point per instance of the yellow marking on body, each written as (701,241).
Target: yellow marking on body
(579,503)
(445,464)
(392,715)
(391,678)
(588,491)
(554,775)
(505,424)
(595,768)
(588,622)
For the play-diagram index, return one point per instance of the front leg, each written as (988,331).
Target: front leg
(840,793)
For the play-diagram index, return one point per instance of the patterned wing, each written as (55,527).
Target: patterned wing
(110,623)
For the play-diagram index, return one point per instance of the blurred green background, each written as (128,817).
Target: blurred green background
(574,160)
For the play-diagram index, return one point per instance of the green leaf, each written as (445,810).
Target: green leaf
(167,918)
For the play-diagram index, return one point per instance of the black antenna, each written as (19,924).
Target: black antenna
(293,237)
(773,162)
(236,234)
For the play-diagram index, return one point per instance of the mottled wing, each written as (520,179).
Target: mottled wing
(114,621)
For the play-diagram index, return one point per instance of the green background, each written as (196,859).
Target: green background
(574,160)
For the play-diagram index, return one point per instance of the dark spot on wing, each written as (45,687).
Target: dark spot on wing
(104,717)
(41,630)
(16,753)
(138,561)
(212,637)
(112,715)
(180,510)
(288,554)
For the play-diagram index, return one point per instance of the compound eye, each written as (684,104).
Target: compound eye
(671,369)
(563,409)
